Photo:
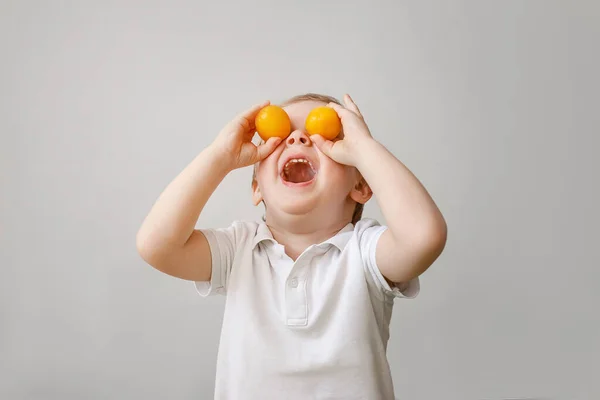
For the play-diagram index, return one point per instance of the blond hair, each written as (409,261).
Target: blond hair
(358,210)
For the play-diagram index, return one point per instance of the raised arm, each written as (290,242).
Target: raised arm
(416,233)
(167,239)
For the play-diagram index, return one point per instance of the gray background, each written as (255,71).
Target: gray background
(494,106)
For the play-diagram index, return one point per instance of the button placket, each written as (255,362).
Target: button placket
(295,294)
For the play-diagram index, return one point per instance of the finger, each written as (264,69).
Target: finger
(339,109)
(323,144)
(247,117)
(351,105)
(265,149)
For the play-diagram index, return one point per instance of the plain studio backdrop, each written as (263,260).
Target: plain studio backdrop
(494,105)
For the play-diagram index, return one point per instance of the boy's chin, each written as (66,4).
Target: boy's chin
(299,209)
(296,207)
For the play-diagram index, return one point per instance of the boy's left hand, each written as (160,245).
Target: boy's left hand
(346,148)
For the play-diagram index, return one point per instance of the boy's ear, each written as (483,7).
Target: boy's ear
(256,195)
(361,192)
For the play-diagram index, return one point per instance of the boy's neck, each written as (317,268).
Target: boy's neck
(295,239)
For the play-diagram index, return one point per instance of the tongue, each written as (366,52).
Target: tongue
(299,172)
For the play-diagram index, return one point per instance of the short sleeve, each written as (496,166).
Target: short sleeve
(223,244)
(369,233)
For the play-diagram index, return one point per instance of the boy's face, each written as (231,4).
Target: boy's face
(297,178)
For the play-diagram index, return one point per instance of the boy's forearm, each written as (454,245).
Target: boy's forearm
(409,211)
(174,215)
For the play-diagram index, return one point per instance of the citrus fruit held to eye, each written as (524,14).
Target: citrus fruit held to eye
(272,121)
(323,121)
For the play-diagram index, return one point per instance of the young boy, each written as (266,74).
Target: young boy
(310,290)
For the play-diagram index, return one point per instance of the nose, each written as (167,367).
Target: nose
(299,138)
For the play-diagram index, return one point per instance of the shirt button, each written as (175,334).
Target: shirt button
(294,282)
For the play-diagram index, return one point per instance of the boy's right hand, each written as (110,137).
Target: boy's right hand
(234,142)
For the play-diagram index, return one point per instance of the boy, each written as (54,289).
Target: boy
(310,290)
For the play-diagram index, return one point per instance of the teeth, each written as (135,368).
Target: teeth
(295,160)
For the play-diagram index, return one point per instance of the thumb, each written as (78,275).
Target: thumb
(323,144)
(263,150)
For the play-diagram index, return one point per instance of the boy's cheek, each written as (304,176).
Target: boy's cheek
(268,164)
(334,168)
(344,174)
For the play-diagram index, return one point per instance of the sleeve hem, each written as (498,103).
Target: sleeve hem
(407,290)
(215,285)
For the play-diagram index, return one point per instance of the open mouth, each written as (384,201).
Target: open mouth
(297,171)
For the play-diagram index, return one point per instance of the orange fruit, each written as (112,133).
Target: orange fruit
(272,121)
(323,121)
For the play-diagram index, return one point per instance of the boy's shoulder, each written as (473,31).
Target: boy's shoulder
(366,223)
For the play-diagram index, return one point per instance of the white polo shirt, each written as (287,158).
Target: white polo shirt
(316,328)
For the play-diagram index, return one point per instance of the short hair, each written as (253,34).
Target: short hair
(358,210)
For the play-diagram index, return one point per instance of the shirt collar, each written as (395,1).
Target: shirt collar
(339,240)
(262,234)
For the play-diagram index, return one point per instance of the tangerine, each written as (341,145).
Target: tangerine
(323,121)
(272,121)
